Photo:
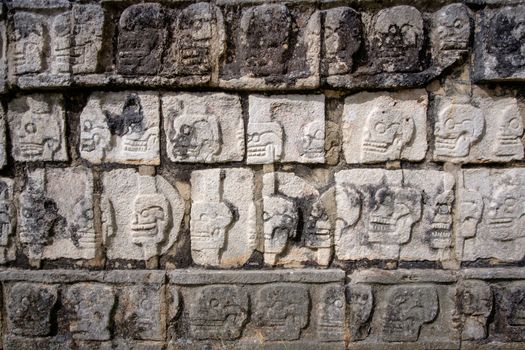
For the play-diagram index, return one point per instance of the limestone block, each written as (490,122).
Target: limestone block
(499,45)
(275,46)
(3,141)
(484,129)
(197,41)
(203,127)
(474,301)
(289,200)
(223,217)
(492,214)
(91,307)
(360,301)
(53,225)
(88,23)
(3,52)
(141,215)
(332,314)
(37,127)
(286,128)
(385,126)
(394,214)
(7,220)
(121,127)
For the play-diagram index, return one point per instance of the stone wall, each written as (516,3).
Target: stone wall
(241,174)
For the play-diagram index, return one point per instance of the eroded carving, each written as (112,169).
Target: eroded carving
(474,300)
(264,142)
(28,55)
(451,31)
(87,38)
(280,224)
(361,301)
(7,217)
(331,314)
(506,38)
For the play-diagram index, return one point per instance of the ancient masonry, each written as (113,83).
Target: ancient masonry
(251,174)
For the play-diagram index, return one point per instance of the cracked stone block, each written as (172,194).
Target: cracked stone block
(121,127)
(223,217)
(197,41)
(37,127)
(7,220)
(53,225)
(485,129)
(298,221)
(385,126)
(286,128)
(499,45)
(203,127)
(394,214)
(491,214)
(141,215)
(274,46)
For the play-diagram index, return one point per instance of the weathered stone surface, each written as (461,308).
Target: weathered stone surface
(3,140)
(331,322)
(499,45)
(223,217)
(141,215)
(481,130)
(298,221)
(88,22)
(492,212)
(288,128)
(7,220)
(203,128)
(361,303)
(277,46)
(3,52)
(474,302)
(37,128)
(381,126)
(53,225)
(121,127)
(394,214)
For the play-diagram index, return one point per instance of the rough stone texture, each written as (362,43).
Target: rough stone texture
(381,126)
(203,128)
(37,128)
(121,127)
(288,128)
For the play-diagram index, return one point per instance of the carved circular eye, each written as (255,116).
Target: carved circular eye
(510,202)
(458,23)
(88,125)
(513,123)
(449,124)
(338,303)
(145,304)
(380,127)
(185,130)
(30,128)
(392,29)
(89,214)
(254,137)
(214,303)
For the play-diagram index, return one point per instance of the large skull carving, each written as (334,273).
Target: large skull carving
(474,300)
(361,302)
(280,223)
(87,39)
(210,222)
(29,43)
(386,133)
(397,39)
(264,142)
(195,137)
(313,140)
(452,28)
(396,210)
(95,137)
(506,212)
(82,230)
(506,39)
(457,127)
(510,130)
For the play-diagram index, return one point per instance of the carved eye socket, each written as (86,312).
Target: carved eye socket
(88,214)
(30,128)
(88,125)
(185,130)
(458,23)
(254,137)
(443,209)
(145,304)
(510,203)
(514,124)
(392,29)
(214,303)
(380,127)
(449,124)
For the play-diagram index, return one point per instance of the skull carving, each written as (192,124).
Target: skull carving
(61,43)
(332,314)
(397,39)
(361,302)
(386,133)
(265,39)
(150,222)
(87,39)
(505,215)
(471,209)
(395,211)
(29,43)
(280,223)
(506,38)
(313,140)
(342,39)
(7,214)
(474,300)
(195,137)
(510,130)
(95,137)
(264,142)
(515,294)
(210,226)
(452,28)
(82,230)
(457,127)
(440,234)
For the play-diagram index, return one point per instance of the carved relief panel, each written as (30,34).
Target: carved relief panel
(287,128)
(51,225)
(121,127)
(379,127)
(7,220)
(141,215)
(37,127)
(223,217)
(394,214)
(492,214)
(474,301)
(203,128)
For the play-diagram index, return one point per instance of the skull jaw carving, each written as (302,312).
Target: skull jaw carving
(280,224)
(510,130)
(196,137)
(440,233)
(264,142)
(312,146)
(506,214)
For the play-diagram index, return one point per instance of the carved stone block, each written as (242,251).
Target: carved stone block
(7,220)
(281,310)
(91,307)
(3,141)
(331,319)
(474,302)
(510,314)
(141,215)
(492,214)
(385,126)
(203,128)
(88,23)
(288,128)
(361,302)
(394,214)
(289,200)
(29,307)
(141,40)
(218,312)
(197,39)
(53,225)
(37,127)
(121,127)
(499,45)
(223,218)
(277,45)
(3,52)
